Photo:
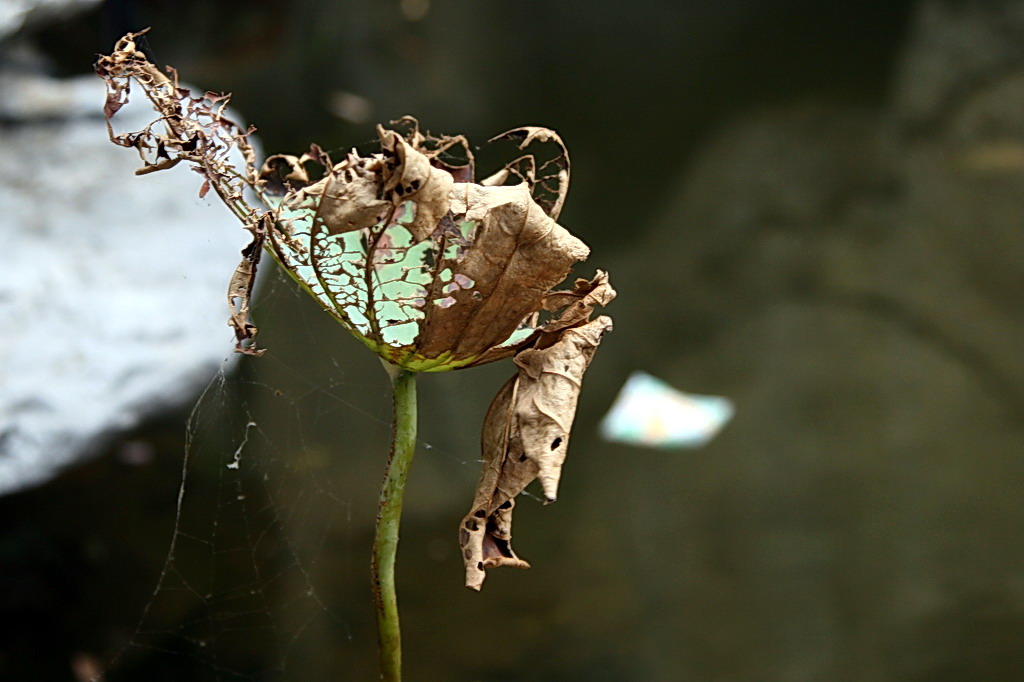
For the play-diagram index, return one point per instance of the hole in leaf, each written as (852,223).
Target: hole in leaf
(556,442)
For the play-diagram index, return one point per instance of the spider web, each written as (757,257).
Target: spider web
(266,571)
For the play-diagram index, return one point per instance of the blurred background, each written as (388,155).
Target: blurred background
(812,208)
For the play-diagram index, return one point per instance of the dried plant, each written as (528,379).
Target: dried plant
(429,269)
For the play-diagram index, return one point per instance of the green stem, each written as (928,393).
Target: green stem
(389,512)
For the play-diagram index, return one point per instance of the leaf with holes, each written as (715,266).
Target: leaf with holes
(526,438)
(431,271)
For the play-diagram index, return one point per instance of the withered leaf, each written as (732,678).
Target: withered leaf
(526,437)
(518,254)
(425,268)
(485,535)
(550,380)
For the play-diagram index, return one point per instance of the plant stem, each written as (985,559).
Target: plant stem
(389,512)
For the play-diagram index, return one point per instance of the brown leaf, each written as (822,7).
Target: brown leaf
(518,254)
(526,437)
(485,535)
(549,385)
(491,254)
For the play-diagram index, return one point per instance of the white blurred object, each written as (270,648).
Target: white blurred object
(651,413)
(113,287)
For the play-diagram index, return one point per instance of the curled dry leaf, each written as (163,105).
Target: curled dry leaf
(526,430)
(431,272)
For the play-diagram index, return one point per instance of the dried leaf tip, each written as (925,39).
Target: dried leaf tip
(195,130)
